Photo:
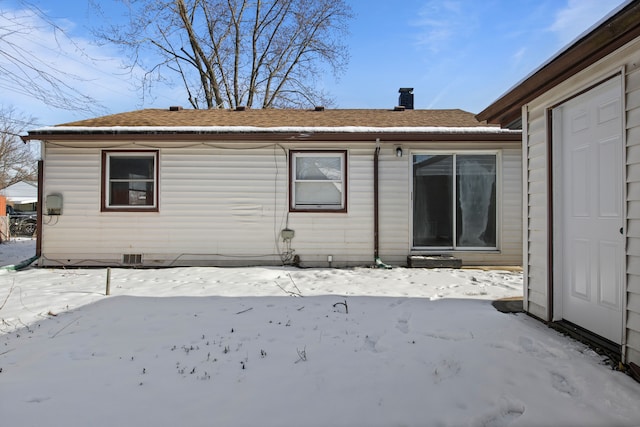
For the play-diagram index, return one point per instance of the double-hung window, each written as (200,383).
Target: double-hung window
(454,200)
(130,181)
(318,181)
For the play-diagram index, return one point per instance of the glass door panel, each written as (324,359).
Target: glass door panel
(476,201)
(432,200)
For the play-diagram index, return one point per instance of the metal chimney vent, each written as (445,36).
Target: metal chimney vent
(406,98)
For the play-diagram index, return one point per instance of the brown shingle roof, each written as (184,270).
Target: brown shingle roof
(285,118)
(279,124)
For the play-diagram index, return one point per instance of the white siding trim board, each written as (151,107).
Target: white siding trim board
(525,207)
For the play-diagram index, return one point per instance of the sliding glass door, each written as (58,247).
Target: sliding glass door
(454,201)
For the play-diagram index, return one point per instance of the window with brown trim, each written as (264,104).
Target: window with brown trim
(129,181)
(318,181)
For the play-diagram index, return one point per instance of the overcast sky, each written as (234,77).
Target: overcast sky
(454,53)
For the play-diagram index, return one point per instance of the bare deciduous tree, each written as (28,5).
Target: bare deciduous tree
(23,71)
(17,161)
(229,53)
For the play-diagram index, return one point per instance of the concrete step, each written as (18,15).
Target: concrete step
(433,261)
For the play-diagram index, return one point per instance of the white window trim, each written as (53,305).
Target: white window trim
(342,182)
(107,181)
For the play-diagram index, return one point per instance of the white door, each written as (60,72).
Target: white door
(588,129)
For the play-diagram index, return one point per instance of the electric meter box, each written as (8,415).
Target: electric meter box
(53,204)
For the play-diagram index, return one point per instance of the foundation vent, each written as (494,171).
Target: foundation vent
(132,259)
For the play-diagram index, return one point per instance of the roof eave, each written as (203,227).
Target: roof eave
(298,134)
(610,35)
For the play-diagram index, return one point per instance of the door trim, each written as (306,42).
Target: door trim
(499,202)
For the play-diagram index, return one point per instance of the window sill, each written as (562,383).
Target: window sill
(454,251)
(136,210)
(310,210)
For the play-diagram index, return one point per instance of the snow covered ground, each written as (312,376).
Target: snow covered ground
(16,250)
(289,347)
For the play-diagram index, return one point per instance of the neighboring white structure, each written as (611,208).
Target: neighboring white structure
(580,115)
(314,188)
(21,193)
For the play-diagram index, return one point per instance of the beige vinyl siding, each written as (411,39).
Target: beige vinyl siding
(536,211)
(633,318)
(511,220)
(225,204)
(628,59)
(395,203)
(347,237)
(221,206)
(632,104)
(210,202)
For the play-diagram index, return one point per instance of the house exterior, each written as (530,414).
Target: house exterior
(580,120)
(22,195)
(179,187)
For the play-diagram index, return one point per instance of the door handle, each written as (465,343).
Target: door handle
(621,230)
